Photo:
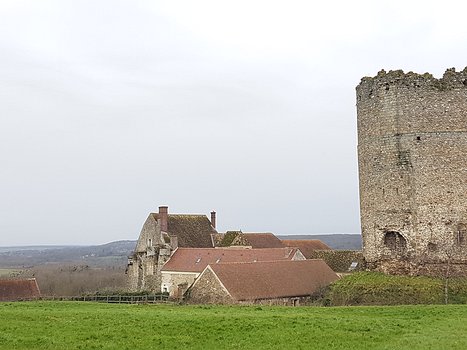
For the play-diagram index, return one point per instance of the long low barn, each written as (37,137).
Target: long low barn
(186,264)
(271,282)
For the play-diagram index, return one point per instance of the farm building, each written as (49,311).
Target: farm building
(186,264)
(163,233)
(19,289)
(283,282)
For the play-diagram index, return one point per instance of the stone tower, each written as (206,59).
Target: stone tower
(412,151)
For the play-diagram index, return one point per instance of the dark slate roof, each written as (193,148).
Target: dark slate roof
(262,240)
(193,231)
(196,259)
(306,246)
(18,289)
(273,279)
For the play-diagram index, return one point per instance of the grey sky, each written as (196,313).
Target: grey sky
(111,108)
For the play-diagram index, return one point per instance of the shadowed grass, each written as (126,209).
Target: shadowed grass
(60,325)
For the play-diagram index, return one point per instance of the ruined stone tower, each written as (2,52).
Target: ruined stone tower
(412,150)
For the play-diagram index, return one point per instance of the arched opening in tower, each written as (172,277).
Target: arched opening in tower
(395,242)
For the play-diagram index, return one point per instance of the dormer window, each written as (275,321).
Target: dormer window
(198,260)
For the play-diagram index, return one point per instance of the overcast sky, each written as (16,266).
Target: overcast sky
(109,109)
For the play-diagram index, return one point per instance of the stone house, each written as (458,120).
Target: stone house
(186,264)
(161,235)
(284,282)
(19,289)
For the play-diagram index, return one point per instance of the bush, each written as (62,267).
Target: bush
(373,288)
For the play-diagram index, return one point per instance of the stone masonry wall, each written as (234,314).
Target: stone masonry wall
(145,264)
(412,150)
(171,281)
(208,290)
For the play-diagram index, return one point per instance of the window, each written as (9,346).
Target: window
(432,247)
(461,234)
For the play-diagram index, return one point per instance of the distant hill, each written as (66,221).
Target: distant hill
(116,253)
(339,241)
(109,254)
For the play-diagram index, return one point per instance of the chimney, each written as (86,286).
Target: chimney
(213,219)
(164,216)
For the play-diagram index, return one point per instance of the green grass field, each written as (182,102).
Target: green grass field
(74,325)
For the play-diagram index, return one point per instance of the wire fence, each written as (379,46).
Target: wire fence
(117,299)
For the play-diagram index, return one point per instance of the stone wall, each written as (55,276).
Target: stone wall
(412,150)
(151,253)
(208,290)
(150,234)
(172,281)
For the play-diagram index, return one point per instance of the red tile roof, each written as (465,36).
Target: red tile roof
(262,240)
(196,259)
(273,279)
(306,246)
(21,289)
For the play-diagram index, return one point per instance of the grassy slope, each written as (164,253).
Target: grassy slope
(49,325)
(372,288)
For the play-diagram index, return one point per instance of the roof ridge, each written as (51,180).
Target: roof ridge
(258,233)
(179,214)
(267,261)
(302,240)
(187,215)
(18,279)
(229,248)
